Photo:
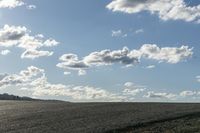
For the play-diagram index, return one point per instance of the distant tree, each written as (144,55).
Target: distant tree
(6,96)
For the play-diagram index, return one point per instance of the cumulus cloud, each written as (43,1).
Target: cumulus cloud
(164,9)
(125,57)
(108,57)
(171,55)
(21,79)
(159,95)
(15,3)
(132,89)
(10,35)
(5,52)
(3,75)
(34,80)
(71,62)
(19,36)
(11,3)
(128,84)
(77,93)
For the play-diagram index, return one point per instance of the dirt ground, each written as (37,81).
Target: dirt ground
(65,117)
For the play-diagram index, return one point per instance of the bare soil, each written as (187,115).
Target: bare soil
(65,117)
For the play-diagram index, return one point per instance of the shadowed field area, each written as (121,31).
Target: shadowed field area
(64,117)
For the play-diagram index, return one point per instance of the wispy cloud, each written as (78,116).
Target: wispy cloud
(138,31)
(118,33)
(31,7)
(159,95)
(150,67)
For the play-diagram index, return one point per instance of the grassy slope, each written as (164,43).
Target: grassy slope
(59,117)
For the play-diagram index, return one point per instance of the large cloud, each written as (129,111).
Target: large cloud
(77,93)
(125,57)
(33,80)
(19,36)
(165,9)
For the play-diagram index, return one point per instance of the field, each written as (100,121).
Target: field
(65,117)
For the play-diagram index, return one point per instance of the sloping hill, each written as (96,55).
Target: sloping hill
(6,96)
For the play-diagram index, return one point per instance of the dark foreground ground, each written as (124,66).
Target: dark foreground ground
(63,117)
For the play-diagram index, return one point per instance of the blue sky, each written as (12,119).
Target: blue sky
(84,27)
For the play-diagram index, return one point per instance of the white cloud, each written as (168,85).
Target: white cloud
(128,84)
(21,79)
(132,89)
(71,62)
(3,75)
(20,37)
(165,9)
(11,3)
(5,52)
(33,79)
(188,93)
(82,72)
(118,33)
(32,54)
(198,78)
(10,35)
(67,73)
(31,7)
(15,3)
(171,55)
(108,57)
(139,31)
(159,95)
(50,42)
(77,93)
(150,67)
(125,57)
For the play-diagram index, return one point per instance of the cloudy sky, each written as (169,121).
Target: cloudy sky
(101,50)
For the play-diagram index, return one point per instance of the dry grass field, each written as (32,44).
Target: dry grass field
(65,117)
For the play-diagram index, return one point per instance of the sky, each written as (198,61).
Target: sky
(101,51)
